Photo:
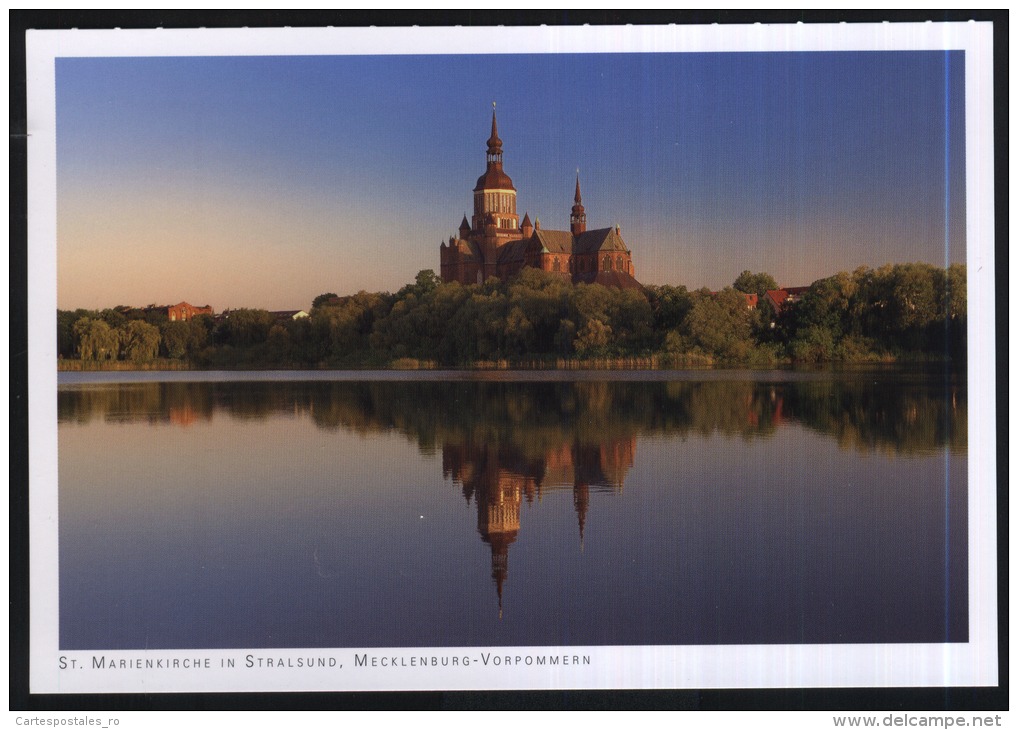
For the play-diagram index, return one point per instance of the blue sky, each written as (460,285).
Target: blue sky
(265,181)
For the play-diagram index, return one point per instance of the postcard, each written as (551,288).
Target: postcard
(512,358)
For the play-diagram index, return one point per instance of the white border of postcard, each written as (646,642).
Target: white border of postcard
(862,665)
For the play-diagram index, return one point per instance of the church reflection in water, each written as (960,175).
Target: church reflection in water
(498,478)
(794,508)
(504,443)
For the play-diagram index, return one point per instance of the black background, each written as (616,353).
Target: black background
(861,699)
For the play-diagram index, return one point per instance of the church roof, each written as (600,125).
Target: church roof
(514,251)
(468,249)
(601,239)
(588,242)
(555,241)
(494,178)
(617,279)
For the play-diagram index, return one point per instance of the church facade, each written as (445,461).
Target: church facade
(494,242)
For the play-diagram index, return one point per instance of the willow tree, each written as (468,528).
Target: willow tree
(96,339)
(139,341)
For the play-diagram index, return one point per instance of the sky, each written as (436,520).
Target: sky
(264,181)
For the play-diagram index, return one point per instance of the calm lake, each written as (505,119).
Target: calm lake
(236,510)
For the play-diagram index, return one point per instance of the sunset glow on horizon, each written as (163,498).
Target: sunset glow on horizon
(263,181)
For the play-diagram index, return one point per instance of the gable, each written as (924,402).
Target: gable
(513,251)
(555,241)
(601,239)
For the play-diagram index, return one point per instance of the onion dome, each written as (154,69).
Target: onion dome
(494,178)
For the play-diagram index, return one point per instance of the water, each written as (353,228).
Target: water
(301,510)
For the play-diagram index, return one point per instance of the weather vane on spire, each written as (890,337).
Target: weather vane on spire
(493,106)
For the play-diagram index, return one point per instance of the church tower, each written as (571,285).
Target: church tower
(495,221)
(492,242)
(578,217)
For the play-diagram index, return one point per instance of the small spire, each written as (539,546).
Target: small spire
(494,143)
(578,216)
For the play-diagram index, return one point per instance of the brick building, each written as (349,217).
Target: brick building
(495,243)
(180,312)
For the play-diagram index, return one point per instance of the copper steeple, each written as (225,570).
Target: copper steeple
(494,178)
(494,143)
(578,217)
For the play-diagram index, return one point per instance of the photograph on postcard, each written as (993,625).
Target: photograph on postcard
(417,367)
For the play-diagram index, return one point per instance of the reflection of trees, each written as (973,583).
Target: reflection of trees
(177,403)
(503,443)
(534,419)
(884,415)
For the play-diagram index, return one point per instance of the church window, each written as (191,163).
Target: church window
(556,266)
(606,263)
(618,264)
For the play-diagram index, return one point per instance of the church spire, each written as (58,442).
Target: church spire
(494,143)
(494,202)
(578,217)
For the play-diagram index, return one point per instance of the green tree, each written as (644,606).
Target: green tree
(750,283)
(139,340)
(593,339)
(424,284)
(279,345)
(632,321)
(323,299)
(113,318)
(543,299)
(346,324)
(565,337)
(814,344)
(519,333)
(67,337)
(821,318)
(246,327)
(720,325)
(96,339)
(176,337)
(670,305)
(913,296)
(953,305)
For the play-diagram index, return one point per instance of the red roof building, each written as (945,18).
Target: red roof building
(778,299)
(180,312)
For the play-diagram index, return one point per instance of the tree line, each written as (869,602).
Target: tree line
(540,319)
(535,418)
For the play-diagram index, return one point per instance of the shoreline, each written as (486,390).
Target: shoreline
(774,375)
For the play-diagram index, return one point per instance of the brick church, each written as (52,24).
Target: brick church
(495,243)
